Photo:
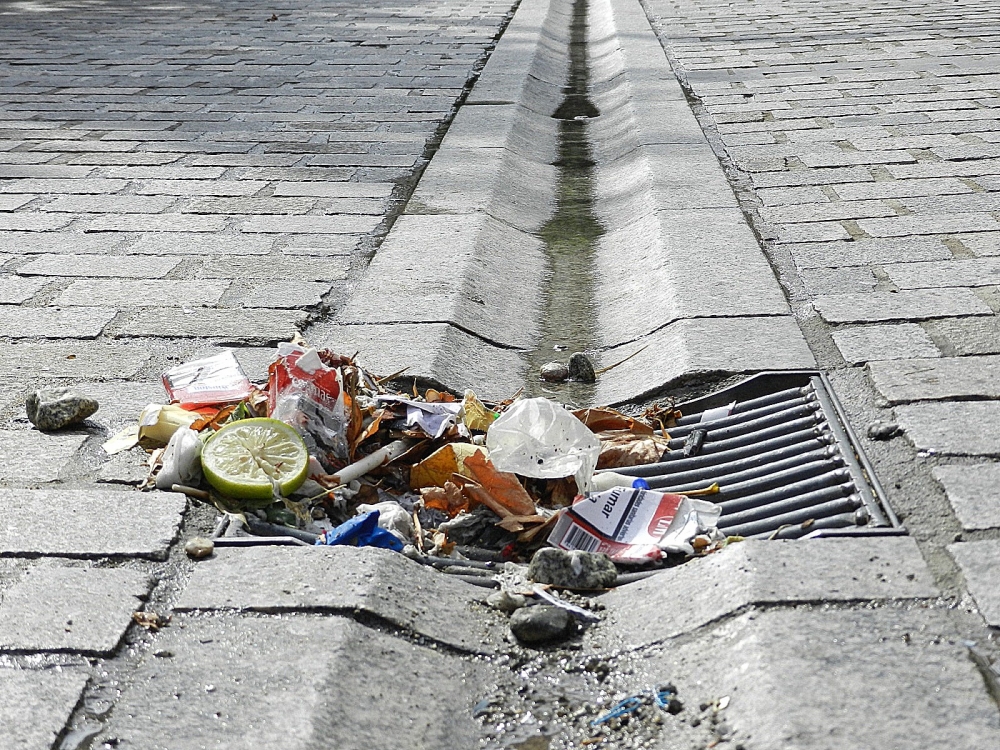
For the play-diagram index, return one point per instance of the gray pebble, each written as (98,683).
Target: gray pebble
(199,547)
(56,408)
(505,601)
(581,368)
(541,624)
(879,430)
(573,570)
(554,372)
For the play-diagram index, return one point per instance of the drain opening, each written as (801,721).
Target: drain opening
(786,461)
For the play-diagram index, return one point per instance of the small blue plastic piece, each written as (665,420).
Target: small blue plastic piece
(626,706)
(361,531)
(663,695)
(640,484)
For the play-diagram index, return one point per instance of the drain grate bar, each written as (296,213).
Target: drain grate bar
(784,458)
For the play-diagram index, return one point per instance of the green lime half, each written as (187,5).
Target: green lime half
(243,458)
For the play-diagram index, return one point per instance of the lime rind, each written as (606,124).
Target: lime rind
(246,458)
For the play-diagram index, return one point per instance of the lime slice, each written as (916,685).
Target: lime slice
(243,458)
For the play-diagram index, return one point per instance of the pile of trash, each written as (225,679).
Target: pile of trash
(325,452)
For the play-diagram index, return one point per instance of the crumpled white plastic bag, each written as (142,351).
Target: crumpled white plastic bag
(181,460)
(538,438)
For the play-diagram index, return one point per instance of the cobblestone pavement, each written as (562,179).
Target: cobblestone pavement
(175,178)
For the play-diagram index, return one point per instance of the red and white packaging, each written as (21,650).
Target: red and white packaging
(309,395)
(204,382)
(633,525)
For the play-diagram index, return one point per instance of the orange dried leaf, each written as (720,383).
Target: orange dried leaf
(448,499)
(438,467)
(620,449)
(504,488)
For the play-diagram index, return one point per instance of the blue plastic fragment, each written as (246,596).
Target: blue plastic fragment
(621,708)
(664,694)
(640,484)
(361,531)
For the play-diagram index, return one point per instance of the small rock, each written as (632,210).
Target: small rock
(554,372)
(541,624)
(879,430)
(199,547)
(505,601)
(56,408)
(573,570)
(581,368)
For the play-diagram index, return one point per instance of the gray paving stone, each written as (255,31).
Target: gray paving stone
(274,268)
(969,335)
(199,243)
(700,347)
(31,221)
(200,187)
(122,401)
(956,428)
(340,580)
(824,231)
(904,380)
(826,211)
(233,324)
(974,493)
(842,280)
(14,290)
(52,323)
(335,189)
(903,226)
(901,188)
(868,251)
(980,564)
(455,269)
(862,344)
(124,294)
(825,680)
(86,610)
(99,204)
(98,522)
(35,705)
(285,294)
(81,186)
(14,202)
(29,243)
(969,272)
(921,304)
(32,456)
(71,359)
(155,223)
(690,596)
(347,224)
(140,267)
(296,681)
(981,243)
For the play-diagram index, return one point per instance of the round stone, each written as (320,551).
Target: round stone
(554,372)
(543,623)
(505,601)
(56,408)
(199,547)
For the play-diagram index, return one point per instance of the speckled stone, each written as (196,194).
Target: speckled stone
(554,372)
(54,409)
(541,624)
(572,569)
(581,368)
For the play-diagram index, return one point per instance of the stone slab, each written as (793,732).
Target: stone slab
(455,269)
(860,344)
(649,266)
(199,243)
(905,380)
(122,293)
(969,272)
(120,401)
(974,493)
(54,323)
(136,267)
(71,243)
(958,428)
(36,457)
(155,223)
(285,295)
(233,324)
(99,522)
(868,251)
(845,279)
(35,705)
(70,609)
(980,564)
(71,359)
(921,304)
(333,268)
(346,224)
(690,596)
(376,582)
(432,352)
(701,347)
(297,682)
(821,679)
(969,335)
(15,290)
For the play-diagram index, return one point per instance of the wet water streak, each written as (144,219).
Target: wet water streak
(569,319)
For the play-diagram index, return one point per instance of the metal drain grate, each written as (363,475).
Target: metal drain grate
(786,461)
